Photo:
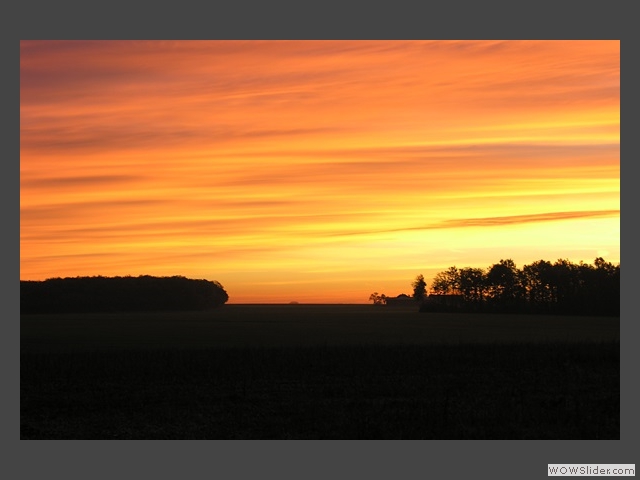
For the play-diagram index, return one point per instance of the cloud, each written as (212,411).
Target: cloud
(494,221)
(85,210)
(518,219)
(116,95)
(95,181)
(87,137)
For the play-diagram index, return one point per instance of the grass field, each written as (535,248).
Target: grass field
(301,325)
(328,372)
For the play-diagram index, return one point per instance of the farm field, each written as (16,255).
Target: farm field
(301,325)
(319,372)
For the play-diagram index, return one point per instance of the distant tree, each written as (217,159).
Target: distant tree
(505,284)
(439,285)
(378,299)
(541,287)
(471,284)
(419,288)
(120,294)
(447,282)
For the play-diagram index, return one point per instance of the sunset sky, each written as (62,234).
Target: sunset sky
(315,171)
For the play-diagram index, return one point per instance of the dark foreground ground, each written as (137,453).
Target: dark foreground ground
(246,375)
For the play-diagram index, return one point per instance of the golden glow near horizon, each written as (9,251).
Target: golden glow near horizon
(315,171)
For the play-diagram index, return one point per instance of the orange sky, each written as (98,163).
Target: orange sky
(315,171)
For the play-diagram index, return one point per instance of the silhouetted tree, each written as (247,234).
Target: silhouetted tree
(378,299)
(119,294)
(419,288)
(447,282)
(541,287)
(471,283)
(504,285)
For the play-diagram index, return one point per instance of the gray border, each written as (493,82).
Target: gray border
(254,19)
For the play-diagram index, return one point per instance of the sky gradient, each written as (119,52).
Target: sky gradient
(315,171)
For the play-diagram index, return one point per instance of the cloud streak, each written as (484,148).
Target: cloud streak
(79,181)
(497,221)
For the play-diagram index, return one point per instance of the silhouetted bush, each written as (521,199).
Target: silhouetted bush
(119,294)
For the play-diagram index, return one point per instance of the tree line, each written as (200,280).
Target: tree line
(119,294)
(562,287)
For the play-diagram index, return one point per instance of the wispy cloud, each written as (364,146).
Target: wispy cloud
(540,217)
(494,221)
(95,181)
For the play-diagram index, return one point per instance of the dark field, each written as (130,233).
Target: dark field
(325,372)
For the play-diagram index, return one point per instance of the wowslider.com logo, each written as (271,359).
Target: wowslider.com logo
(583,470)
